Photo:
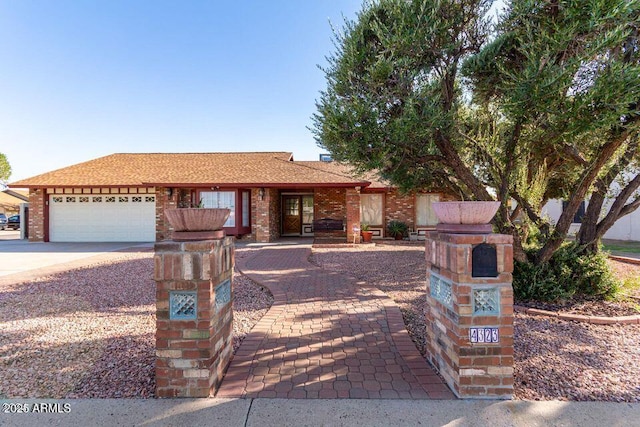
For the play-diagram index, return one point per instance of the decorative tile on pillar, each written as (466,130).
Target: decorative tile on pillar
(182,305)
(486,301)
(223,294)
(441,290)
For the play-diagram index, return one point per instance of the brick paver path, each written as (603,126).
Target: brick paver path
(326,336)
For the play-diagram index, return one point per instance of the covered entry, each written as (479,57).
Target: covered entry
(297,214)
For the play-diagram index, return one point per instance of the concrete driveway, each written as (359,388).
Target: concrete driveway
(18,256)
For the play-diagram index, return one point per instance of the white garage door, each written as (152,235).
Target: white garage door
(102,218)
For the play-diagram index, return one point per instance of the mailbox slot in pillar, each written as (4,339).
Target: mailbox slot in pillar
(484,261)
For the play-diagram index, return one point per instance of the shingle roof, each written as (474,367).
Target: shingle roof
(346,170)
(193,169)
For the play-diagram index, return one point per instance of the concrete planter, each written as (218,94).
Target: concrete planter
(197,223)
(465,217)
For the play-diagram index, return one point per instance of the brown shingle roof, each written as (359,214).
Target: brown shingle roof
(346,170)
(191,169)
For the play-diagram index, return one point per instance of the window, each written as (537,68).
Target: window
(307,209)
(424,211)
(371,209)
(221,199)
(577,218)
(246,204)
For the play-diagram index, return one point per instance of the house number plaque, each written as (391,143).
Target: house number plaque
(484,335)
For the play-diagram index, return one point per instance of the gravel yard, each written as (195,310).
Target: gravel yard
(554,359)
(90,332)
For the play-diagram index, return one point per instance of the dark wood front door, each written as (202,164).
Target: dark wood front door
(291,215)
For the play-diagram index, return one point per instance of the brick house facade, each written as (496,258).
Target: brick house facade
(264,191)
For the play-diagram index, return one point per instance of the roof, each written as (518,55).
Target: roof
(12,199)
(266,169)
(344,169)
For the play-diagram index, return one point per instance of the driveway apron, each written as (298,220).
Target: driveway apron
(326,336)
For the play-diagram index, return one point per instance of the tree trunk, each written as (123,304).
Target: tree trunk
(586,180)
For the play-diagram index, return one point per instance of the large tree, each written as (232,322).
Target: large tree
(541,105)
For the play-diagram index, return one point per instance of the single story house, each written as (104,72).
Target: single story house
(122,197)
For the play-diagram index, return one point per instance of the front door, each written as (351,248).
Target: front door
(292,215)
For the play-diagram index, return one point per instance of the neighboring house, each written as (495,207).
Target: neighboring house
(626,228)
(122,197)
(11,200)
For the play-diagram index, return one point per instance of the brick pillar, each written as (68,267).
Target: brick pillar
(266,212)
(194,316)
(353,213)
(470,319)
(37,214)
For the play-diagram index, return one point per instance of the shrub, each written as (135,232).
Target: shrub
(569,272)
(397,228)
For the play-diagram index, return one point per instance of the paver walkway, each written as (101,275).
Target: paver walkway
(326,336)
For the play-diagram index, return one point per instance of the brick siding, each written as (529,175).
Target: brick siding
(37,214)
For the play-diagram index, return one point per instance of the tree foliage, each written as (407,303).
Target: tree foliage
(544,104)
(5,169)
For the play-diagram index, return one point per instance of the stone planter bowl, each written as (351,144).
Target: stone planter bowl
(465,212)
(197,219)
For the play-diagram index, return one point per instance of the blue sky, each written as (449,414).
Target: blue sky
(81,79)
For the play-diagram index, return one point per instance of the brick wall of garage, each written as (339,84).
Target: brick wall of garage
(164,201)
(37,214)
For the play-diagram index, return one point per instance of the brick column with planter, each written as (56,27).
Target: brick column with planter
(470,316)
(194,316)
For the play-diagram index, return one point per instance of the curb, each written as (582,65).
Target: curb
(595,320)
(625,259)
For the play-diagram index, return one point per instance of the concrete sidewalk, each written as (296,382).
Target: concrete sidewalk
(317,412)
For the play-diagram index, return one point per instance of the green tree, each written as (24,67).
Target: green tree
(5,169)
(542,105)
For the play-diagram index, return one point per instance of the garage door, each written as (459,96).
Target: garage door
(102,218)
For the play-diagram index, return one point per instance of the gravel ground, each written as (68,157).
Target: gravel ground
(90,332)
(554,359)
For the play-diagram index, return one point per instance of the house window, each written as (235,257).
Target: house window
(307,209)
(221,199)
(577,218)
(246,204)
(424,211)
(371,209)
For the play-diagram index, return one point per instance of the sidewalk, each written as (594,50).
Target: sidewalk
(326,336)
(319,412)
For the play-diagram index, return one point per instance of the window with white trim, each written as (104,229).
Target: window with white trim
(221,199)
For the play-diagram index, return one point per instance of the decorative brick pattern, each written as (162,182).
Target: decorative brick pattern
(37,215)
(399,207)
(331,203)
(193,354)
(471,340)
(164,201)
(265,215)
